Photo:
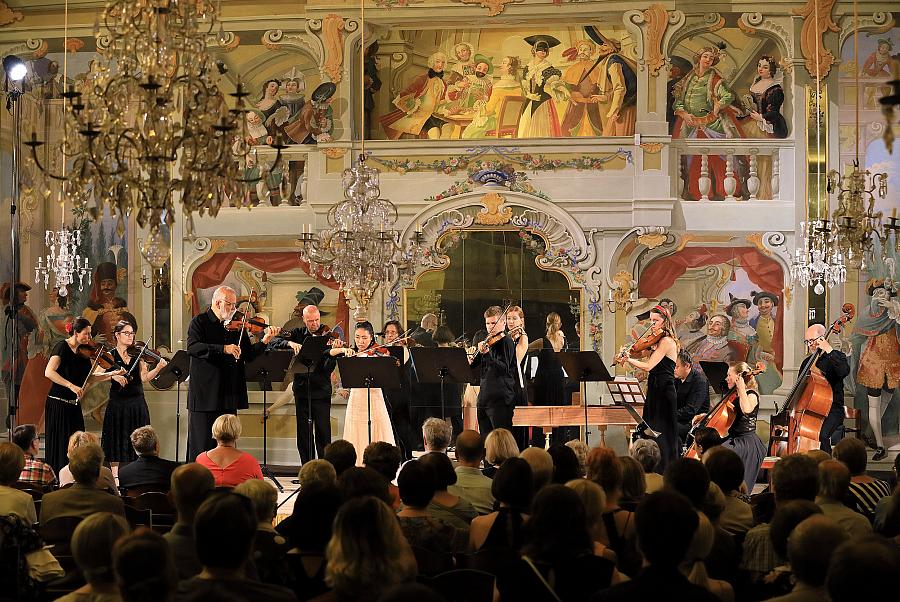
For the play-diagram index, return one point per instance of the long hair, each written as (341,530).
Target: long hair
(554,326)
(745,368)
(668,323)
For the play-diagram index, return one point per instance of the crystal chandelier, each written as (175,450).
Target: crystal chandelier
(63,261)
(150,124)
(360,248)
(818,259)
(856,218)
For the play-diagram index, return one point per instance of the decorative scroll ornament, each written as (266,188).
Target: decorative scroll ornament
(334,152)
(276,39)
(8,15)
(333,29)
(653,237)
(754,24)
(495,7)
(818,59)
(657,21)
(491,215)
(711,22)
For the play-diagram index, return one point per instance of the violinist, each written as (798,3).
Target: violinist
(313,411)
(497,361)
(660,408)
(217,382)
(399,400)
(515,322)
(356,421)
(70,373)
(127,408)
(834,366)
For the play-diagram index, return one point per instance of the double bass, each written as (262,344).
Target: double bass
(797,426)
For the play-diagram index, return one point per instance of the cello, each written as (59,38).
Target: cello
(797,426)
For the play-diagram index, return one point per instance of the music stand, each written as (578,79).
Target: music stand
(442,365)
(176,372)
(311,351)
(626,391)
(369,372)
(715,373)
(266,368)
(586,366)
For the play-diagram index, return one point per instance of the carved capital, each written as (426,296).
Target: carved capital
(877,22)
(8,15)
(275,39)
(816,21)
(495,7)
(492,215)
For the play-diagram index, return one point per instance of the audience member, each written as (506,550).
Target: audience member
(421,529)
(437,435)
(341,454)
(35,472)
(779,580)
(707,438)
(13,501)
(666,523)
(834,487)
(646,451)
(594,501)
(863,569)
(190,486)
(819,455)
(513,488)
(471,484)
(694,568)
(810,546)
(499,446)
(144,568)
(92,545)
(106,480)
(541,466)
(581,450)
(565,464)
(83,498)
(452,509)
(634,486)
(229,465)
(224,527)
(309,532)
(605,469)
(317,470)
(865,491)
(367,554)
(886,504)
(726,469)
(269,546)
(149,471)
(359,481)
(385,459)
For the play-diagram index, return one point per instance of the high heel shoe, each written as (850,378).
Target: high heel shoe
(880,454)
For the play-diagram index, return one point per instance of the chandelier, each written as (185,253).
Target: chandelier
(63,261)
(856,218)
(360,249)
(150,124)
(818,258)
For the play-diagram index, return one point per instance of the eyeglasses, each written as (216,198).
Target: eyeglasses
(229,304)
(811,341)
(127,333)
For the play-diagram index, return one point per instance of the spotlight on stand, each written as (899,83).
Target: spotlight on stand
(14,67)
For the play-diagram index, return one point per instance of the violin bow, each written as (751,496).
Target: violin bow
(137,360)
(90,373)
(626,349)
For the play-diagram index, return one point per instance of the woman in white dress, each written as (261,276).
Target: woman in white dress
(356,421)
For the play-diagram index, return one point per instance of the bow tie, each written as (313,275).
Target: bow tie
(433,73)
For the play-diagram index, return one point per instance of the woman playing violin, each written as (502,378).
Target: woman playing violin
(662,400)
(515,322)
(70,373)
(127,408)
(356,429)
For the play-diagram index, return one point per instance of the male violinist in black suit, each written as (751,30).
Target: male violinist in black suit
(217,382)
(499,374)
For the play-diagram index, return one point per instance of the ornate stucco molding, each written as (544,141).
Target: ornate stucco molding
(332,30)
(877,22)
(8,15)
(307,42)
(758,24)
(651,29)
(711,22)
(32,48)
(495,7)
(816,21)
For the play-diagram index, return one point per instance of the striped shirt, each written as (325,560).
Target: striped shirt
(865,496)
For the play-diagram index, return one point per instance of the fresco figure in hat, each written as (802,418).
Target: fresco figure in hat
(763,349)
(315,122)
(465,93)
(542,87)
(738,309)
(16,342)
(417,104)
(485,121)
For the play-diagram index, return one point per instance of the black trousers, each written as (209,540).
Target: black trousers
(833,422)
(494,417)
(403,430)
(321,420)
(200,432)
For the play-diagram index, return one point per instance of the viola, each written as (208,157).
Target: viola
(100,355)
(237,322)
(148,354)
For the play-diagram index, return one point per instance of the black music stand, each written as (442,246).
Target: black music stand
(585,366)
(176,372)
(371,373)
(625,391)
(266,368)
(311,351)
(715,373)
(442,365)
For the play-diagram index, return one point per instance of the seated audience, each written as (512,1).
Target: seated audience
(437,435)
(149,471)
(634,487)
(819,455)
(92,545)
(726,470)
(190,486)
(224,527)
(565,464)
(646,451)
(863,569)
(421,529)
(694,568)
(341,454)
(779,580)
(541,466)
(666,523)
(37,473)
(13,501)
(707,438)
(317,470)
(809,548)
(471,484)
(83,498)
(367,554)
(144,567)
(605,469)
(384,458)
(834,487)
(269,546)
(106,481)
(309,532)
(503,529)
(865,491)
(229,465)
(561,549)
(445,506)
(581,450)
(499,446)
(886,504)
(594,501)
(360,481)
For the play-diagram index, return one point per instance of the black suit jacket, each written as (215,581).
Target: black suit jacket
(498,374)
(218,383)
(320,378)
(693,395)
(147,470)
(835,368)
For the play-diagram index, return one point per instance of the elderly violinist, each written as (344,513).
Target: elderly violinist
(499,366)
(217,383)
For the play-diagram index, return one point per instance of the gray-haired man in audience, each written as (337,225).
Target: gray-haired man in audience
(471,484)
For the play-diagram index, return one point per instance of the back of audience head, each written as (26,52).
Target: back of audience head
(317,471)
(416,482)
(437,434)
(80,438)
(787,516)
(834,480)
(891,526)
(725,468)
(264,497)
(499,446)
(852,452)
(368,552)
(219,548)
(145,571)
(92,544)
(795,477)
(12,461)
(357,482)
(714,503)
(145,441)
(24,435)
(665,523)
(634,483)
(810,546)
(605,469)
(190,485)
(383,458)
(565,464)
(701,543)
(341,454)
(646,452)
(863,569)
(541,466)
(581,450)
(819,455)
(441,469)
(592,497)
(689,478)
(513,484)
(558,526)
(227,428)
(314,511)
(469,448)
(707,438)
(85,463)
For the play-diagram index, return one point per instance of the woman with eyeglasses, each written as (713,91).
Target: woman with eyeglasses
(127,408)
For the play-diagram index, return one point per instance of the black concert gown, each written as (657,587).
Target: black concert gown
(660,410)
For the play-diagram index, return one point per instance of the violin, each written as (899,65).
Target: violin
(326,331)
(651,337)
(237,322)
(100,355)
(149,355)
(498,336)
(374,351)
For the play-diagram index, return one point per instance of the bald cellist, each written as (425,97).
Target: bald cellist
(834,367)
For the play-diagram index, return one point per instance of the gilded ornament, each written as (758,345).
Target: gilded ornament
(333,40)
(495,7)
(334,152)
(651,240)
(657,21)
(652,147)
(8,15)
(491,215)
(73,45)
(816,21)
(756,239)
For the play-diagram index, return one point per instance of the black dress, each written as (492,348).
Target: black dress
(550,390)
(660,409)
(61,419)
(742,438)
(127,410)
